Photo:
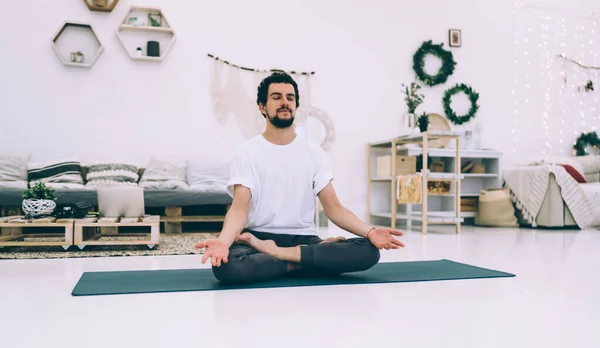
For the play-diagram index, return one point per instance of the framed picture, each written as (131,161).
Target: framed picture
(454,38)
(155,19)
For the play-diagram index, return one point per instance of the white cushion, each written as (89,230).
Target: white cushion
(207,173)
(164,185)
(209,188)
(67,186)
(591,167)
(18,184)
(160,169)
(13,166)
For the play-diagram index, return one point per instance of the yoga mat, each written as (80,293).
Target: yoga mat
(150,281)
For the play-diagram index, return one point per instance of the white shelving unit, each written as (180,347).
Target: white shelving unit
(441,208)
(163,34)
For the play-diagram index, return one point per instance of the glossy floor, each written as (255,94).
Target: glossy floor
(554,301)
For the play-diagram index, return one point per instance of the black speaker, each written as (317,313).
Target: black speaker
(153,49)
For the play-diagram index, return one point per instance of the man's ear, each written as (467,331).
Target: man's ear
(262,108)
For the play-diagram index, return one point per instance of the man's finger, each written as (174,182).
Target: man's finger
(397,242)
(225,259)
(200,245)
(204,258)
(396,232)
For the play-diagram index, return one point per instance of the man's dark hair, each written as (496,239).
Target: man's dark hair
(276,77)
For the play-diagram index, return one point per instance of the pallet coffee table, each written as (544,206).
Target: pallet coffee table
(91,231)
(11,231)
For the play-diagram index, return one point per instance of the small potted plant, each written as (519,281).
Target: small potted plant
(413,99)
(39,200)
(423,122)
(77,57)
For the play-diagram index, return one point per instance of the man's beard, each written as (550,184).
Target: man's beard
(279,122)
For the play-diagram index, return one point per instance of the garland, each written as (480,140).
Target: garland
(585,140)
(446,70)
(260,70)
(473,97)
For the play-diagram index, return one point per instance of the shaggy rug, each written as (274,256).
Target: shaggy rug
(170,244)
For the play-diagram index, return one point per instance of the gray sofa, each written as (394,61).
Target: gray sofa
(190,191)
(11,197)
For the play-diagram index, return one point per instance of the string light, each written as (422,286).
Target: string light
(594,52)
(546,72)
(581,94)
(545,93)
(561,96)
(515,126)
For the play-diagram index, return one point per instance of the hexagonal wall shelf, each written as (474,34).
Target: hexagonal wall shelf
(101,5)
(76,44)
(145,34)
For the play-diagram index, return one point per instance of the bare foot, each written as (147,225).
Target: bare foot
(291,254)
(332,240)
(264,246)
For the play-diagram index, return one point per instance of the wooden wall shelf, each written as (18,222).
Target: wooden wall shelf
(90,54)
(137,22)
(110,5)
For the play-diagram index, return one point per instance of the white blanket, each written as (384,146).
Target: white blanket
(528,187)
(592,192)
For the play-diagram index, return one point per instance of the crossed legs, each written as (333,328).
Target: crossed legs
(261,256)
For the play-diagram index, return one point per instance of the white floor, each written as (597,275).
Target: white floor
(554,301)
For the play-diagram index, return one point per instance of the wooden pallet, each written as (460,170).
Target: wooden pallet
(173,218)
(10,211)
(12,231)
(89,231)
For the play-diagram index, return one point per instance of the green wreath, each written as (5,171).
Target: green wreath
(473,97)
(584,140)
(446,70)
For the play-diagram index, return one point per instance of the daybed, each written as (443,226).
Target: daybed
(557,191)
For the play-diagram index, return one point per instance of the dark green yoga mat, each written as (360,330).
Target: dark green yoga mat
(134,282)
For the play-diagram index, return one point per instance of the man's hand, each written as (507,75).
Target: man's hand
(383,238)
(216,249)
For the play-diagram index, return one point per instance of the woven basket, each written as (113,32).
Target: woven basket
(38,207)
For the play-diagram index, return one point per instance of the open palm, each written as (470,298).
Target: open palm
(216,250)
(383,238)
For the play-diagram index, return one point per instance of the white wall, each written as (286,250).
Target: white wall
(361,52)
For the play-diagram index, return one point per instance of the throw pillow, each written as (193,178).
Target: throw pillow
(67,170)
(14,167)
(164,174)
(207,173)
(112,174)
(574,173)
(591,167)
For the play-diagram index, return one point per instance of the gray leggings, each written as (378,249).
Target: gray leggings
(248,265)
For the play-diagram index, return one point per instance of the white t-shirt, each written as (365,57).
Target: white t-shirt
(283,180)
